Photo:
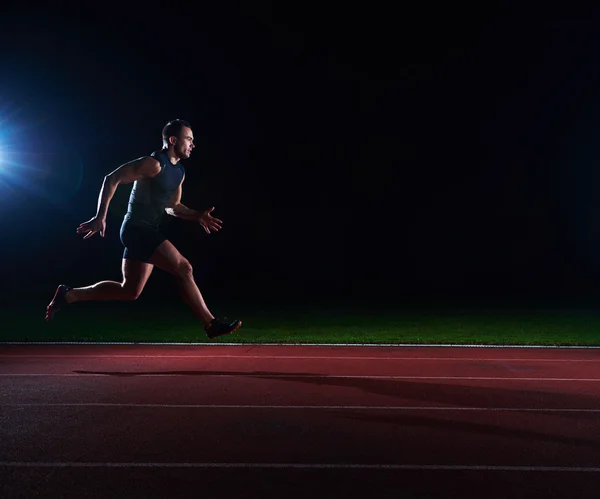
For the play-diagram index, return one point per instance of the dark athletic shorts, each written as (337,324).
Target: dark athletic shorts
(140,240)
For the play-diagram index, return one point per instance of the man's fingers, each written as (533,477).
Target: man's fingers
(206,229)
(89,234)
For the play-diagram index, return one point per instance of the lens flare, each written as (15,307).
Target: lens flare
(32,164)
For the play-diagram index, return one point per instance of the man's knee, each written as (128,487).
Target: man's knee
(131,292)
(184,269)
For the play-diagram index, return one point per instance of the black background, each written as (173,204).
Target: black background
(356,154)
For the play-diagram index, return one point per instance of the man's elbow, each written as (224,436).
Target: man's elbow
(112,179)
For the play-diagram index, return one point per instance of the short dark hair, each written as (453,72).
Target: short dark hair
(173,129)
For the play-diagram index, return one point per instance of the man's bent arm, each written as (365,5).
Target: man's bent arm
(125,174)
(106,194)
(176,209)
(181,211)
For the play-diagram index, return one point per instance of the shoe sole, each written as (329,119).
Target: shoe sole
(227,333)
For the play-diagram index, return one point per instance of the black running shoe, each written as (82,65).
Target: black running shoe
(219,327)
(59,301)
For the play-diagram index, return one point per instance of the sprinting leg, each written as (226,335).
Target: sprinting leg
(135,277)
(166,257)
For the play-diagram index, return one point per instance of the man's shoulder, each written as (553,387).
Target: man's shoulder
(160,156)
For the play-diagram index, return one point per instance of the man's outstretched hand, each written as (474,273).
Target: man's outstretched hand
(91,227)
(209,222)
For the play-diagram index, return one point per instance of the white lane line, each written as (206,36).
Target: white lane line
(307,407)
(359,466)
(283,357)
(283,375)
(317,345)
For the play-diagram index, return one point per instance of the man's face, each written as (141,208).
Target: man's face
(184,144)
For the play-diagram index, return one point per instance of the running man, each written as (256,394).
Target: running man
(157,188)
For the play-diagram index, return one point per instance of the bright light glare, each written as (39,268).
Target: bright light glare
(44,170)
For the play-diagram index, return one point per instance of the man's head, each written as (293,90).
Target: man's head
(177,134)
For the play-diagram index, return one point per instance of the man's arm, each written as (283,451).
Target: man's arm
(145,166)
(125,174)
(176,209)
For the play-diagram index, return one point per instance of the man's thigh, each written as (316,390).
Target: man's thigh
(167,257)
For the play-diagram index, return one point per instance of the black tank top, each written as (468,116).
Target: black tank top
(149,196)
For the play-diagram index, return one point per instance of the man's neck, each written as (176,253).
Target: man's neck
(172,156)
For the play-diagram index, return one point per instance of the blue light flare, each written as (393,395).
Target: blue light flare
(49,170)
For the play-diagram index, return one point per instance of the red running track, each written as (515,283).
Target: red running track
(265,421)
